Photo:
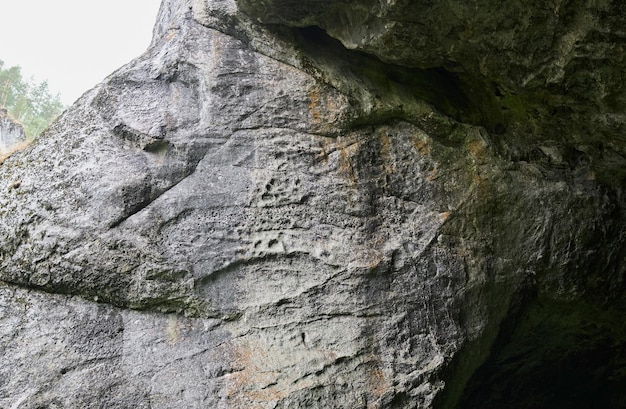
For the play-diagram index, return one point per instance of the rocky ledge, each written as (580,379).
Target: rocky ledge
(329,204)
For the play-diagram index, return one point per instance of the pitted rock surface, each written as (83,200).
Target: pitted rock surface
(254,216)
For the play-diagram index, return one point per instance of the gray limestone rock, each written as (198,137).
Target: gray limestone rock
(254,216)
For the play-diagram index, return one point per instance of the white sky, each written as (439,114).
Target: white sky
(74,44)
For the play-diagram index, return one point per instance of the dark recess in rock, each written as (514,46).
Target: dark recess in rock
(436,86)
(565,355)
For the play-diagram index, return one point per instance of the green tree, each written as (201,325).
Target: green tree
(30,103)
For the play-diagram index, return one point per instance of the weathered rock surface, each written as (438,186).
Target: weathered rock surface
(253,215)
(538,73)
(11,132)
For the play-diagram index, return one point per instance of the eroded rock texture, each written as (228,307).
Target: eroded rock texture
(328,204)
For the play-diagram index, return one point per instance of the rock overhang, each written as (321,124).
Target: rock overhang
(541,75)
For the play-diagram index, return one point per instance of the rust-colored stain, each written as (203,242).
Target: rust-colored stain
(242,362)
(445,215)
(343,153)
(171,34)
(251,385)
(325,110)
(385,152)
(477,149)
(385,147)
(345,161)
(377,382)
(314,104)
(421,147)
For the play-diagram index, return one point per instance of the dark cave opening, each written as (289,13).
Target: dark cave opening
(447,91)
(569,355)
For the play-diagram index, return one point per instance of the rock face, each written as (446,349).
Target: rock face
(11,132)
(538,73)
(328,204)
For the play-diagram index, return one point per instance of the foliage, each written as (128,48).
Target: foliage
(30,103)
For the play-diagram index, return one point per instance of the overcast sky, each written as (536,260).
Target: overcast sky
(74,44)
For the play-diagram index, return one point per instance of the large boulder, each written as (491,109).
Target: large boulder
(251,214)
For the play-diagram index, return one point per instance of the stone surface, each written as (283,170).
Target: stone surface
(540,73)
(11,132)
(255,216)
